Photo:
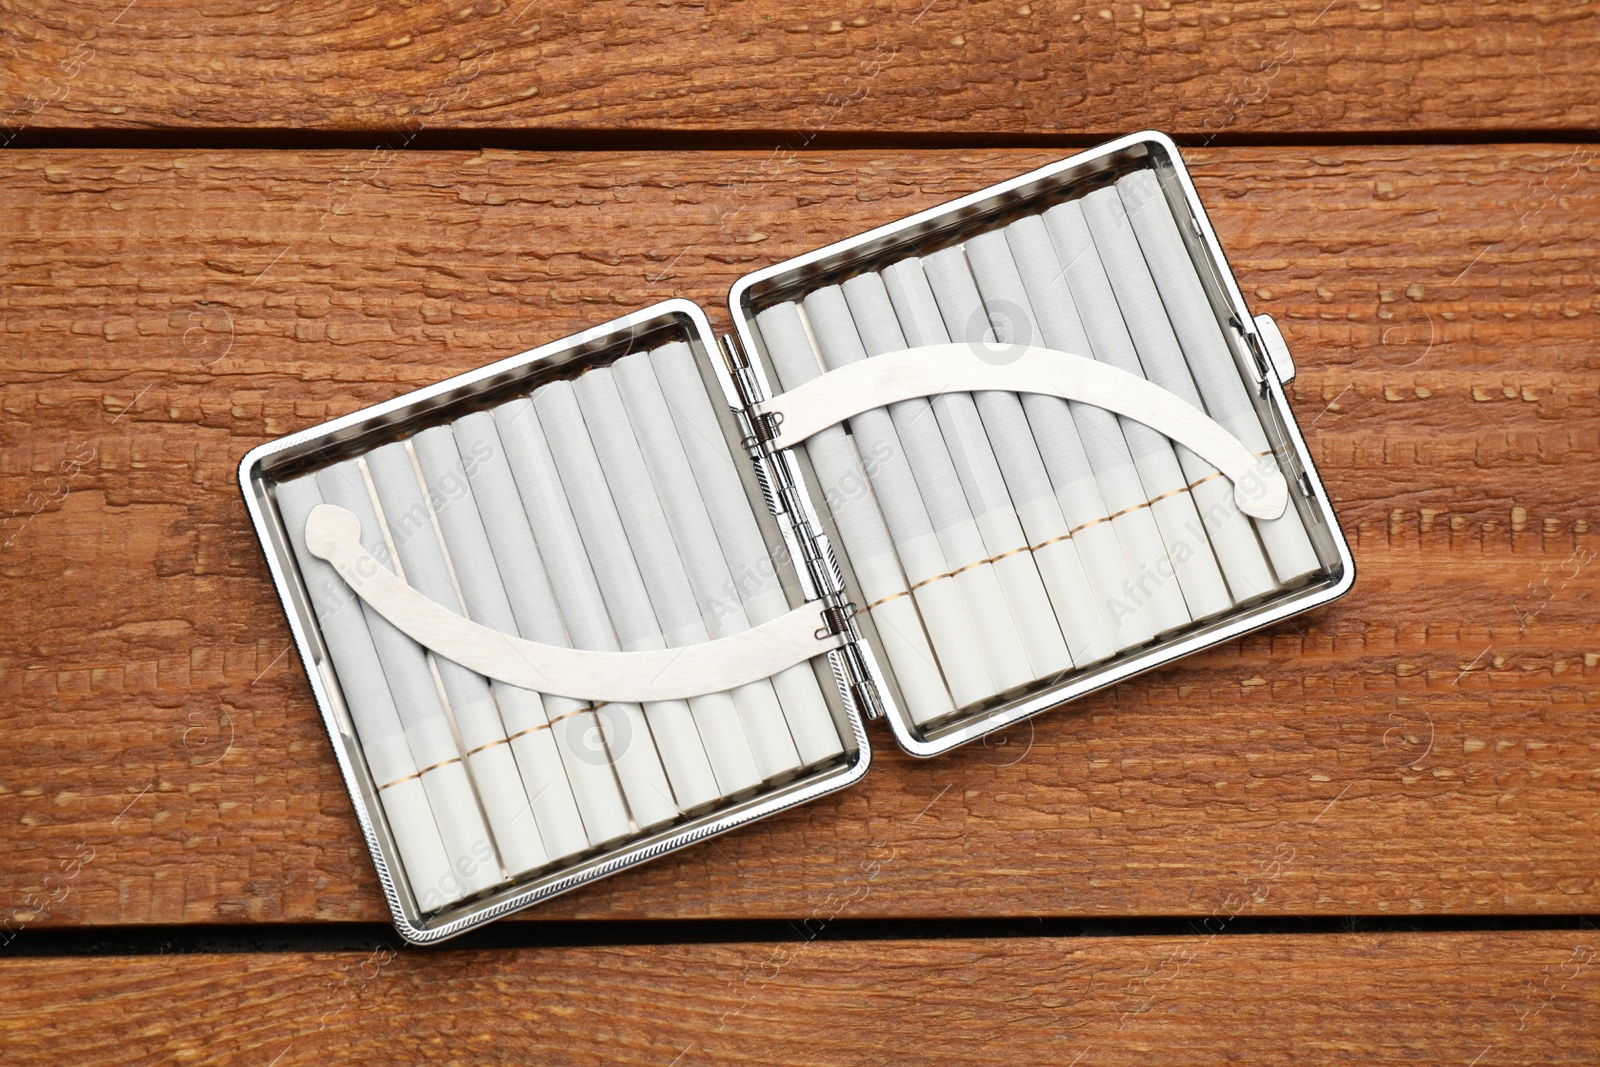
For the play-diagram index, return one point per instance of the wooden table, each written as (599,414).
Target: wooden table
(1367,834)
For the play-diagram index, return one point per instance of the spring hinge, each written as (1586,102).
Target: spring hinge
(836,619)
(779,482)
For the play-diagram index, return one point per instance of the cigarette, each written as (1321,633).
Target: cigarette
(675,378)
(625,599)
(1227,400)
(518,567)
(358,675)
(1003,591)
(930,686)
(693,531)
(474,862)
(408,524)
(1011,500)
(625,732)
(1027,296)
(1113,288)
(670,599)
(483,599)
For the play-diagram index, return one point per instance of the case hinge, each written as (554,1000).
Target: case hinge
(751,392)
(761,429)
(776,471)
(837,616)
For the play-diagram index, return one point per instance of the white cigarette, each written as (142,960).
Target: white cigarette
(626,600)
(1016,512)
(847,496)
(359,676)
(1221,386)
(474,863)
(483,596)
(675,378)
(1026,294)
(1122,312)
(647,531)
(694,533)
(1007,585)
(625,732)
(409,523)
(520,569)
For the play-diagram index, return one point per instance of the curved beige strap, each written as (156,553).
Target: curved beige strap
(334,534)
(930,370)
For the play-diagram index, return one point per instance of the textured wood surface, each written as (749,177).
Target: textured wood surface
(1483,999)
(1425,745)
(1201,69)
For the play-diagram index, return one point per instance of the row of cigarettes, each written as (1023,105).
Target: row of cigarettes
(602,513)
(1000,538)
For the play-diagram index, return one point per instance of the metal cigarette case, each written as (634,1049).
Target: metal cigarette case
(793,517)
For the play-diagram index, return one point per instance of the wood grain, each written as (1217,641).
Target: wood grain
(1485,999)
(1425,745)
(1011,67)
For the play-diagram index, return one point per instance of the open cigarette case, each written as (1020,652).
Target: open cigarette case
(607,598)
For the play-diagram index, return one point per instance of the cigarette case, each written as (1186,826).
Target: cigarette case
(848,658)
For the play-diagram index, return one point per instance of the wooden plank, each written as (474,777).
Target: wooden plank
(1485,999)
(1424,745)
(883,69)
